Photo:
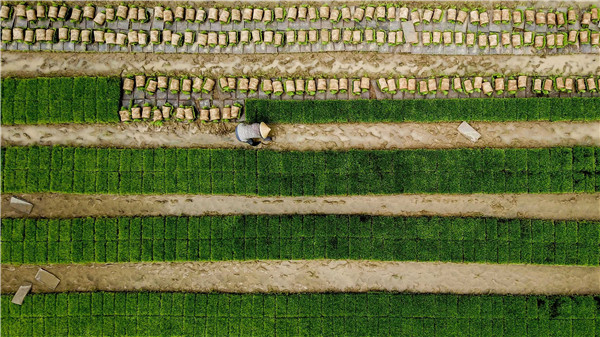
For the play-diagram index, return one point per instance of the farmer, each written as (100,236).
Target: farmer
(249,132)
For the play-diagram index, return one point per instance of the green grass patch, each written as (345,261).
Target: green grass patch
(335,314)
(290,173)
(49,100)
(251,237)
(423,110)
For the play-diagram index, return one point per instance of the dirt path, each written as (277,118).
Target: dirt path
(313,276)
(332,64)
(309,137)
(539,206)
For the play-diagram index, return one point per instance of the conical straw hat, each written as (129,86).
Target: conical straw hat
(264,130)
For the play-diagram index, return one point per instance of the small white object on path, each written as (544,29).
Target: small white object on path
(47,279)
(467,130)
(408,27)
(21,293)
(21,205)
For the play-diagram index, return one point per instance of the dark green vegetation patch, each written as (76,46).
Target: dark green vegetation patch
(48,100)
(251,237)
(423,110)
(249,172)
(350,314)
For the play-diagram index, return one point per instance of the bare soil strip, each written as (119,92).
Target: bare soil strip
(305,137)
(301,276)
(24,64)
(567,206)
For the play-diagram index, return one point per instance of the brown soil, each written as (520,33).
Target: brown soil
(331,64)
(538,206)
(313,276)
(305,137)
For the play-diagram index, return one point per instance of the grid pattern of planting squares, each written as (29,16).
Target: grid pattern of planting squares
(60,100)
(351,314)
(220,238)
(304,28)
(412,110)
(290,173)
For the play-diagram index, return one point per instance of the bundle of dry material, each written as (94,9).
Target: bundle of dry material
(256,38)
(391,40)
(572,36)
(235,111)
(243,84)
(380,37)
(111,37)
(230,38)
(346,36)
(18,33)
(468,86)
(63,34)
(591,84)
(537,85)
(100,19)
(427,15)
(569,83)
(110,14)
(447,38)
(580,85)
(415,16)
(594,13)
(176,39)
(312,14)
(186,86)
(226,112)
(29,36)
(197,84)
(142,15)
(445,85)
(477,82)
(142,38)
(215,114)
(99,36)
(313,36)
(462,15)
(560,83)
(517,17)
(247,14)
(174,85)
(321,85)
(209,85)
(365,83)
(522,82)
(550,40)
(497,16)
(86,36)
(128,85)
(571,16)
(253,84)
(75,35)
(124,115)
(6,35)
(290,37)
(382,84)
(334,15)
(482,41)
(432,84)
(528,38)
(423,87)
(236,15)
(146,111)
(132,37)
(356,87)
(506,39)
(267,16)
(40,34)
(505,15)
(324,36)
(369,13)
(391,86)
(5,12)
(89,11)
(359,14)
(493,38)
(380,13)
(168,15)
(451,15)
(584,37)
(399,37)
(231,83)
(122,12)
(437,15)
(190,14)
(200,15)
(267,86)
(156,115)
(245,36)
(512,85)
(62,12)
(213,14)
(530,16)
(346,15)
(268,36)
(474,17)
(551,19)
(499,84)
(204,115)
(132,15)
(402,84)
(343,82)
(277,87)
(53,12)
(163,83)
(487,88)
(151,86)
(224,15)
(402,13)
(412,85)
(189,113)
(155,36)
(333,86)
(484,18)
(437,37)
(167,109)
(188,37)
(121,39)
(457,84)
(560,18)
(179,113)
(213,39)
(299,84)
(136,112)
(202,39)
(516,40)
(470,39)
(292,13)
(540,18)
(548,85)
(31,14)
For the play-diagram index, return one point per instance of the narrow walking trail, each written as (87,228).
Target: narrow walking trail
(300,276)
(568,206)
(305,137)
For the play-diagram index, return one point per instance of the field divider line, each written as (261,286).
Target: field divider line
(310,137)
(301,276)
(552,206)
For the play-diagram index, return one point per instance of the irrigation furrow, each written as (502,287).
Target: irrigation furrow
(568,206)
(27,64)
(304,137)
(300,276)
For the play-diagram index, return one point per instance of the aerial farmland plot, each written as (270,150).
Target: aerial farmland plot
(284,168)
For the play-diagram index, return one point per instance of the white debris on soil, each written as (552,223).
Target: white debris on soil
(47,279)
(467,130)
(408,27)
(21,293)
(21,205)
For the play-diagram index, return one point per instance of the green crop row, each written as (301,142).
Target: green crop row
(423,110)
(223,171)
(351,314)
(251,237)
(60,100)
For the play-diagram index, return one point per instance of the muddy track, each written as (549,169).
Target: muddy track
(539,206)
(309,137)
(301,276)
(302,65)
